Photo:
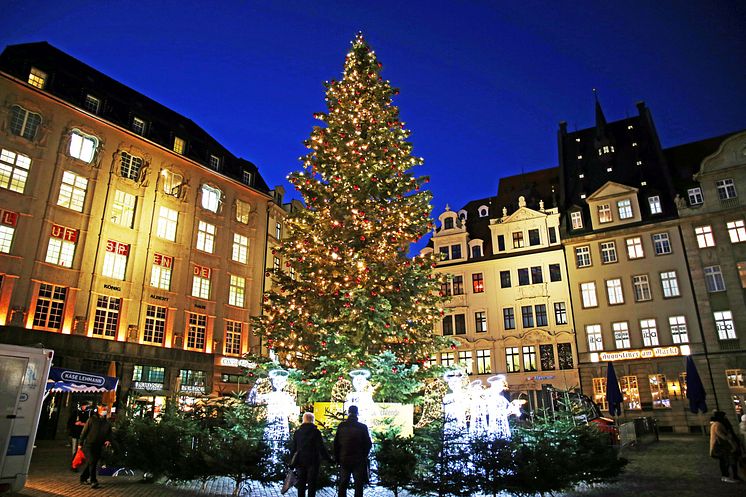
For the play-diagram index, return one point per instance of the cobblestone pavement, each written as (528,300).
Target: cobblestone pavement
(677,466)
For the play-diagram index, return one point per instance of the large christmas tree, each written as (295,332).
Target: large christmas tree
(348,291)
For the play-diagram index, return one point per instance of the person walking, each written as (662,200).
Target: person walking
(351,447)
(724,446)
(307,448)
(94,437)
(75,424)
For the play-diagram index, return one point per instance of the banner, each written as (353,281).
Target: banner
(67,380)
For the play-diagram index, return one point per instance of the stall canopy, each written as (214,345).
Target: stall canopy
(67,380)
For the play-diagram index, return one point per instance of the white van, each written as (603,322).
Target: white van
(23,379)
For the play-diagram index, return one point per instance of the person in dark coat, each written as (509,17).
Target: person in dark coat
(95,436)
(351,447)
(75,424)
(308,447)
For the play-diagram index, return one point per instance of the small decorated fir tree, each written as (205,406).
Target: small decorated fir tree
(348,291)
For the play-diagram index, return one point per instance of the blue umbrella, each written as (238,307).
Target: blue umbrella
(613,394)
(695,390)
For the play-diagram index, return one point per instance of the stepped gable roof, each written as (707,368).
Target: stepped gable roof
(72,80)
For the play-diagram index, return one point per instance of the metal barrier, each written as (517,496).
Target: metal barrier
(638,431)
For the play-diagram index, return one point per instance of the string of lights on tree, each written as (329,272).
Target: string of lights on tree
(348,291)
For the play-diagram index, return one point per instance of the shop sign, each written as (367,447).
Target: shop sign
(192,389)
(626,355)
(235,362)
(67,234)
(539,378)
(9,218)
(147,385)
(118,248)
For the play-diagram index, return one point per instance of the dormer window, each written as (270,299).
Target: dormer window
(476,251)
(484,211)
(215,162)
(179,145)
(92,104)
(448,223)
(726,188)
(604,213)
(606,149)
(655,204)
(576,220)
(247,178)
(625,208)
(462,215)
(138,126)
(37,78)
(211,198)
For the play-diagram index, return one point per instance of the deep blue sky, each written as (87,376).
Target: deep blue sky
(483,83)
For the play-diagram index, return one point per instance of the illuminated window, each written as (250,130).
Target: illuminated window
(72,191)
(444,253)
(583,256)
(714,280)
(447,359)
(509,318)
(160,273)
(621,334)
(23,122)
(211,198)
(634,248)
(276,263)
(106,319)
(6,235)
(14,170)
(599,393)
(608,252)
(115,259)
(82,146)
(670,284)
(123,209)
(233,331)
(705,237)
(560,313)
(741,267)
(130,166)
(614,291)
(197,331)
(659,391)
(50,304)
(641,285)
(167,222)
(649,330)
(695,196)
(37,78)
(555,273)
(655,204)
(735,378)
(588,292)
(465,361)
(541,314)
(529,358)
(604,213)
(92,104)
(512,359)
(201,282)
(518,239)
(206,237)
(61,248)
(527,313)
(564,353)
(240,251)
(624,207)
(236,291)
(546,357)
(576,220)
(595,339)
(155,324)
(679,332)
(179,145)
(172,182)
(138,125)
(150,374)
(504,279)
(243,209)
(661,243)
(724,324)
(737,231)
(480,322)
(477,282)
(630,392)
(726,189)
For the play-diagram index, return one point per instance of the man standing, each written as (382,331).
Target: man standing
(95,436)
(76,423)
(308,449)
(351,447)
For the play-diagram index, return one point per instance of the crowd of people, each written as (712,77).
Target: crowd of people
(728,446)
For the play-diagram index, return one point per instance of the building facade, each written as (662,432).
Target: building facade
(129,234)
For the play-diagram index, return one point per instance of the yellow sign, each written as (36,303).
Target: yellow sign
(386,415)
(625,355)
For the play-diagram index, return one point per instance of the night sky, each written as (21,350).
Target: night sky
(483,83)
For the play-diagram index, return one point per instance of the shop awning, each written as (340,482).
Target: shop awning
(68,380)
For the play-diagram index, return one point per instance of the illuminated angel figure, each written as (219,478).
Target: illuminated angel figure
(499,408)
(361,396)
(477,409)
(455,403)
(280,406)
